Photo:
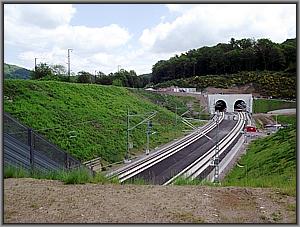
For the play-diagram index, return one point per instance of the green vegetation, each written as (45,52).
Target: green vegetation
(269,162)
(186,181)
(183,103)
(96,113)
(15,72)
(229,58)
(76,176)
(122,78)
(13,172)
(266,105)
(267,83)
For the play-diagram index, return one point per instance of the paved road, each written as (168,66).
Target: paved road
(164,170)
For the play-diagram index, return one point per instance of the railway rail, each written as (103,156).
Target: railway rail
(202,163)
(148,161)
(196,167)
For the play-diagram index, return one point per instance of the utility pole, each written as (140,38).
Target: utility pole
(175,115)
(69,63)
(119,68)
(149,126)
(127,152)
(130,128)
(95,75)
(216,159)
(35,64)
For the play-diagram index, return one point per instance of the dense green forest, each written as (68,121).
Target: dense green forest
(229,58)
(267,83)
(15,72)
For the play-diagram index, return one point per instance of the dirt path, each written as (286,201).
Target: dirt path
(45,201)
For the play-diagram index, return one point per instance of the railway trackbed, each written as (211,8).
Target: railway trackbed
(187,157)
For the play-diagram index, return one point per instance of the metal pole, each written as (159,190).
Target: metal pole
(67,166)
(126,157)
(30,144)
(216,161)
(35,64)
(69,62)
(176,115)
(148,134)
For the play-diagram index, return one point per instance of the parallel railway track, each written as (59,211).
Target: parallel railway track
(192,170)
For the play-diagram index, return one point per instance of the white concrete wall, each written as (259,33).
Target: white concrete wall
(230,100)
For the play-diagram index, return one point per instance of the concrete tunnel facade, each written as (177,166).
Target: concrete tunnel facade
(230,100)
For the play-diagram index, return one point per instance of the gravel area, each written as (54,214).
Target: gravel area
(45,201)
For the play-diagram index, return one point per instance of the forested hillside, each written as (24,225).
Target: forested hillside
(15,72)
(267,83)
(229,58)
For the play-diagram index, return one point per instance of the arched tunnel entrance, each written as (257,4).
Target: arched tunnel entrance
(220,106)
(240,106)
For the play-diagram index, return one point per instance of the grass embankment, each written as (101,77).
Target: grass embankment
(266,105)
(187,105)
(76,176)
(59,110)
(270,161)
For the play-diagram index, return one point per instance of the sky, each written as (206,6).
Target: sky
(105,37)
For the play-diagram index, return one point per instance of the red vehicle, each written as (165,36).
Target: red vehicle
(250,128)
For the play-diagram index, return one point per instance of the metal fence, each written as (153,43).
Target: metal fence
(23,146)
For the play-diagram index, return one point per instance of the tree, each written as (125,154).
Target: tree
(59,70)
(84,77)
(42,70)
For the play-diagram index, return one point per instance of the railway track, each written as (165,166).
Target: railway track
(148,161)
(202,163)
(190,169)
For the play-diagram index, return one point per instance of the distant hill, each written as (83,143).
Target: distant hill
(15,72)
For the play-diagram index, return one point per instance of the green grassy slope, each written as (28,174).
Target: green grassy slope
(266,105)
(61,106)
(183,103)
(15,72)
(270,161)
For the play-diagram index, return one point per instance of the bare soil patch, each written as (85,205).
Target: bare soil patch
(45,201)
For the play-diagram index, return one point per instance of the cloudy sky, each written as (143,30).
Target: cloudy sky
(134,36)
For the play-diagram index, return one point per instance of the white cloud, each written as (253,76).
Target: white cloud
(40,31)
(63,35)
(40,15)
(209,24)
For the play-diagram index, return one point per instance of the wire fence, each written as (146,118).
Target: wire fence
(41,152)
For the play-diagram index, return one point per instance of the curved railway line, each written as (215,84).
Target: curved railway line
(183,157)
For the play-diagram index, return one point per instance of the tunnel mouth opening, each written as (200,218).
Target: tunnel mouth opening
(240,106)
(220,106)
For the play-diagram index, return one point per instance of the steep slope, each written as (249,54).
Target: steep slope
(87,120)
(270,161)
(15,72)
